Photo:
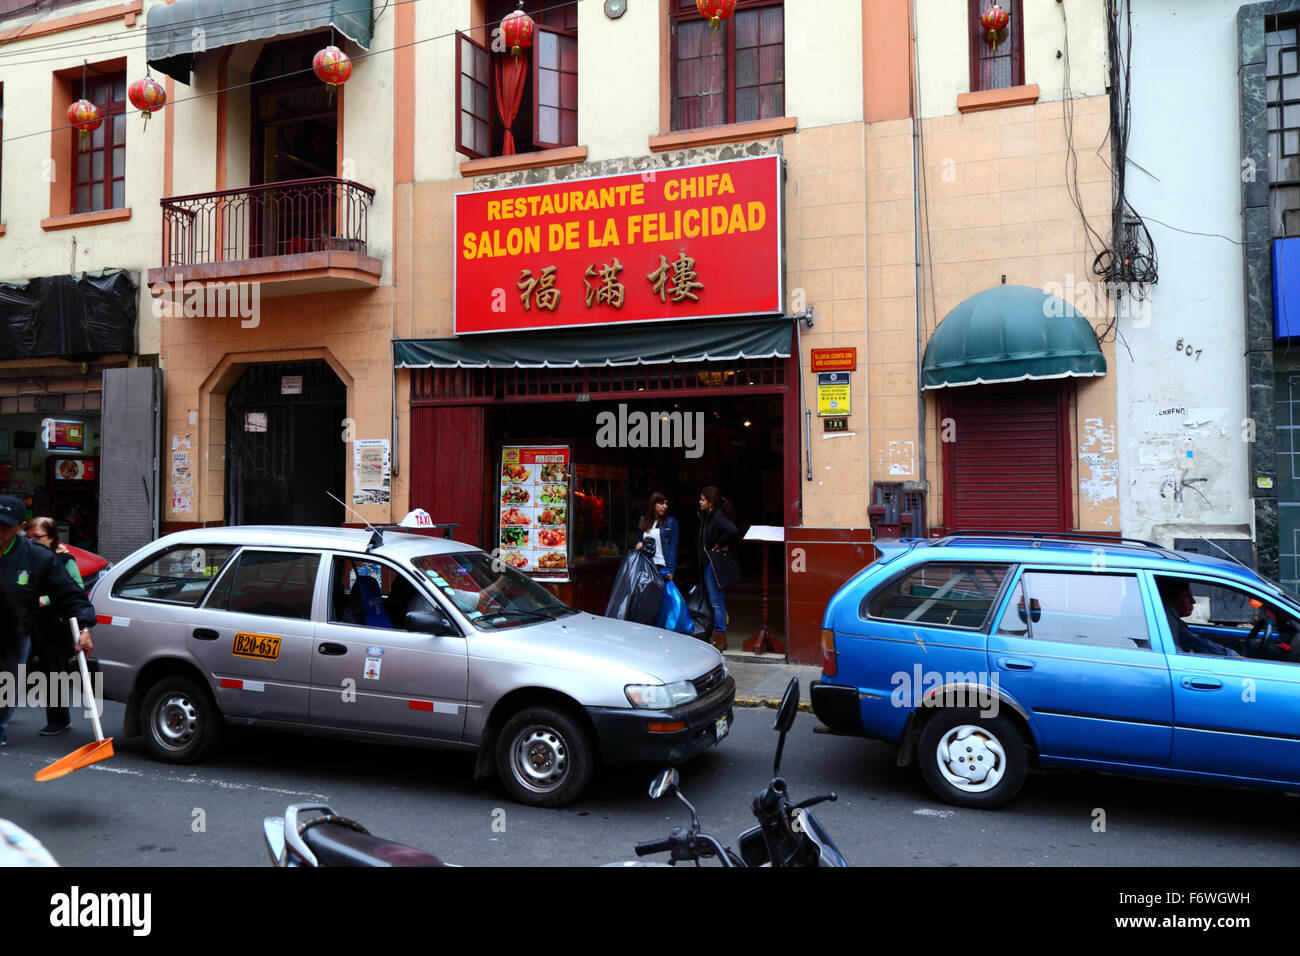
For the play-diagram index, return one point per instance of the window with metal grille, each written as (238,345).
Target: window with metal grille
(1282,89)
(996,67)
(730,75)
(547,116)
(435,386)
(100,181)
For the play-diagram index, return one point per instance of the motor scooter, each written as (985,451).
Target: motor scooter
(787,834)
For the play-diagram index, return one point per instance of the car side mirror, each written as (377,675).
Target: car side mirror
(429,622)
(1035,611)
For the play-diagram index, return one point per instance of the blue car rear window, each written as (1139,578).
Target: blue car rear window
(943,593)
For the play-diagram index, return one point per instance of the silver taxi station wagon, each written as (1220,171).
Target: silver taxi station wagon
(397,638)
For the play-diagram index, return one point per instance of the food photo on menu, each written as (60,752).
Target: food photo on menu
(515,495)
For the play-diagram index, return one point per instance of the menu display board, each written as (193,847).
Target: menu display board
(533,527)
(64,436)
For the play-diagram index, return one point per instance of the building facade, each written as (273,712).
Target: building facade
(852,240)
(79,342)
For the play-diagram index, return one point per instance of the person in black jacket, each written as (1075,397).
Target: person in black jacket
(719,566)
(30,571)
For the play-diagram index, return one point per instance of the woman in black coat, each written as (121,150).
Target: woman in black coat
(719,565)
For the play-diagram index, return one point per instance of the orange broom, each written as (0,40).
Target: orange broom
(100,748)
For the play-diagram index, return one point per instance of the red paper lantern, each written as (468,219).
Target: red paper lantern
(517,32)
(85,119)
(148,96)
(715,11)
(994,20)
(332,67)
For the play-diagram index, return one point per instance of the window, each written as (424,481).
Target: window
(950,595)
(100,181)
(1219,620)
(1102,610)
(371,594)
(504,106)
(996,68)
(733,75)
(1282,90)
(270,583)
(178,575)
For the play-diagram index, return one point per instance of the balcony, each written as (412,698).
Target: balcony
(292,238)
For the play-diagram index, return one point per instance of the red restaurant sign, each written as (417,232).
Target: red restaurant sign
(686,243)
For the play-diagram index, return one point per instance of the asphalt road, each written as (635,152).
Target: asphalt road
(132,811)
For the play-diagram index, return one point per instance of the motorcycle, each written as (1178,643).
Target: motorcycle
(787,834)
(327,839)
(313,835)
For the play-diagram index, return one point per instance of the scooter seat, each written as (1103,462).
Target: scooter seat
(337,845)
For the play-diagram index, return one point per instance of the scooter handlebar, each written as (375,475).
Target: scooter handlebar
(654,846)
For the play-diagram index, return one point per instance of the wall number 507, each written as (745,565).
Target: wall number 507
(1187,350)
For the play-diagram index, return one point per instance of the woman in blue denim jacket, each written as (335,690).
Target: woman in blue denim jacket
(661,527)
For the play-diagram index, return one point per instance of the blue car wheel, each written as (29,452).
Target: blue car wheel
(972,760)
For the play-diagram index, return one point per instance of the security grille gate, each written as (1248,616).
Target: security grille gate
(285,445)
(1006,465)
(128,488)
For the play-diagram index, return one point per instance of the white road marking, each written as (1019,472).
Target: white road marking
(194,778)
(927,812)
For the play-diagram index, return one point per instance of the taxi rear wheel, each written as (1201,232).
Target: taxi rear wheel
(544,757)
(972,760)
(180,720)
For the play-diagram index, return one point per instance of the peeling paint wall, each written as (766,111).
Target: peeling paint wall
(1180,356)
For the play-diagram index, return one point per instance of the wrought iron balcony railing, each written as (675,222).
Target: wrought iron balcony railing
(275,219)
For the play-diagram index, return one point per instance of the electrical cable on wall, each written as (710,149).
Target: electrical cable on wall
(1128,264)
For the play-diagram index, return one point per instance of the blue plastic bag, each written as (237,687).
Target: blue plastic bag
(673,613)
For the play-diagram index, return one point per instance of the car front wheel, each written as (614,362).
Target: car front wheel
(972,760)
(544,757)
(181,721)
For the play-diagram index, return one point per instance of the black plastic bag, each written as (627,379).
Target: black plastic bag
(697,602)
(638,590)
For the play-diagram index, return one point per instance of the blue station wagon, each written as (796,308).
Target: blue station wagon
(984,654)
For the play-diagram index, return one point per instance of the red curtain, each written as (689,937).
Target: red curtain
(510,74)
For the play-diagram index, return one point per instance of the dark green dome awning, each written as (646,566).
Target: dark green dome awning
(594,347)
(1011,333)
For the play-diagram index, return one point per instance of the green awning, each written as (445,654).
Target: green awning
(1011,333)
(176,33)
(651,344)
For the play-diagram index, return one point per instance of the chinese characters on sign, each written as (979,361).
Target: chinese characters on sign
(542,288)
(610,291)
(679,282)
(689,242)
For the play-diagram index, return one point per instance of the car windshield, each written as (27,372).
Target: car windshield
(490,593)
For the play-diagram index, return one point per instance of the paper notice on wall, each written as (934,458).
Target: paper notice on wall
(182,478)
(371,464)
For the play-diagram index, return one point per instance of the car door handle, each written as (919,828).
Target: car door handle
(1202,683)
(205,634)
(334,649)
(1015,664)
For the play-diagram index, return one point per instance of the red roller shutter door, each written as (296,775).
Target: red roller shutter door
(448,466)
(1007,467)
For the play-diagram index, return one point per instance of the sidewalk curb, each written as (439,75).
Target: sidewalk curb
(770,702)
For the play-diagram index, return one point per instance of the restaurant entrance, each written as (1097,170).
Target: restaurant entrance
(673,428)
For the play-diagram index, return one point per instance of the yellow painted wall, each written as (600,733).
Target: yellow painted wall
(943,50)
(26,250)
